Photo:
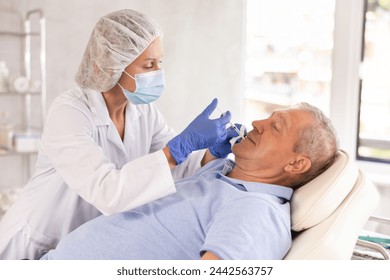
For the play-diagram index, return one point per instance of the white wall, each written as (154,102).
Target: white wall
(202,42)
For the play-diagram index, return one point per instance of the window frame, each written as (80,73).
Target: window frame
(372,143)
(346,84)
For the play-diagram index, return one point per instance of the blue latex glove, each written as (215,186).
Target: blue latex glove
(201,133)
(224,148)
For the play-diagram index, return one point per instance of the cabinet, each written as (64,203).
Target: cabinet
(24,97)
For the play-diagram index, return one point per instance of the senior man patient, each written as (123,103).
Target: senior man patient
(229,209)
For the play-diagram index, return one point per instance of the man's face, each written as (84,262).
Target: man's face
(273,140)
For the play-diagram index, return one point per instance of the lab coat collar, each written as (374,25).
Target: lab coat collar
(102,118)
(100,111)
(98,107)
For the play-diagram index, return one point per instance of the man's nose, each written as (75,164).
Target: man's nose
(258,125)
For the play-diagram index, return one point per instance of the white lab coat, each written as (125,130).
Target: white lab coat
(84,169)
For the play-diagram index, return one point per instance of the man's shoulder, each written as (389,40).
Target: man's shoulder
(217,165)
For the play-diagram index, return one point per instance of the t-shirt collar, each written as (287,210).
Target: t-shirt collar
(276,190)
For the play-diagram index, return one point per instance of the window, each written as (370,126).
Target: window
(374,119)
(288,55)
(291,49)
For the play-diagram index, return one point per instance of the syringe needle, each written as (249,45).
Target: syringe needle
(234,127)
(220,110)
(238,131)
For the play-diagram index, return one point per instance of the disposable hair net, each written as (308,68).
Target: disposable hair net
(116,41)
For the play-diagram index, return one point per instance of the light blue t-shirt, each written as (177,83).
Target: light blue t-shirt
(233,219)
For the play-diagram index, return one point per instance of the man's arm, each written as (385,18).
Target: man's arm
(209,256)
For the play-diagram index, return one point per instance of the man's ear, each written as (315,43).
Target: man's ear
(299,164)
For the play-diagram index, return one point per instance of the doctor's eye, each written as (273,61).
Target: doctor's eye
(153,64)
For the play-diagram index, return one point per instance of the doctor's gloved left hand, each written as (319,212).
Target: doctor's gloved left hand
(201,133)
(224,148)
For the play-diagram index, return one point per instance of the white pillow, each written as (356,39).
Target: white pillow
(315,201)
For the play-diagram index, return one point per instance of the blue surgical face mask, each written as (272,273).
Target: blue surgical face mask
(148,87)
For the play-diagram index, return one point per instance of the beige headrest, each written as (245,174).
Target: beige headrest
(315,201)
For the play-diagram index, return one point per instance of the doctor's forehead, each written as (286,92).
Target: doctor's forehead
(154,50)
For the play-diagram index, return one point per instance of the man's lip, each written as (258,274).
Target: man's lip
(250,139)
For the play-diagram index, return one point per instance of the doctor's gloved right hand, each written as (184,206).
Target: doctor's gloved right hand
(201,133)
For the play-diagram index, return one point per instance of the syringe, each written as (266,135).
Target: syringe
(234,127)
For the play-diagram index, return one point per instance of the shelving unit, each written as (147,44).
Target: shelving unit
(27,34)
(33,19)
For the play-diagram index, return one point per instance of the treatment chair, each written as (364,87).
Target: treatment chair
(329,212)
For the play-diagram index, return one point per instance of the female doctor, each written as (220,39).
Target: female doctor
(105,148)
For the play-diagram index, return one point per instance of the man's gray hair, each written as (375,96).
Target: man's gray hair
(317,141)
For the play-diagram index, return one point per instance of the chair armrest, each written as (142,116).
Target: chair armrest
(375,247)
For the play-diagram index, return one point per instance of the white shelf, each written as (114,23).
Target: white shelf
(28,43)
(20,94)
(19,34)
(16,153)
